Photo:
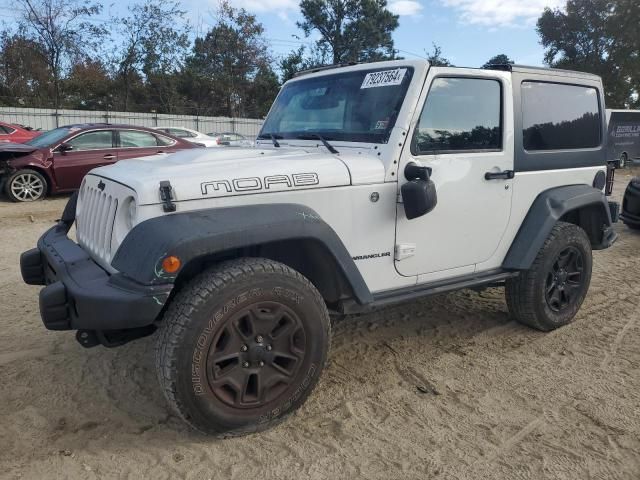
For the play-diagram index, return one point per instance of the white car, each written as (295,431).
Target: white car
(190,135)
(369,185)
(230,139)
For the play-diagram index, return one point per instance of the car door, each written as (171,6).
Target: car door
(459,134)
(79,154)
(138,143)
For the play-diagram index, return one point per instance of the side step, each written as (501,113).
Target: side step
(433,288)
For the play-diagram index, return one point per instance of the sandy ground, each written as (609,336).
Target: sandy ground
(446,387)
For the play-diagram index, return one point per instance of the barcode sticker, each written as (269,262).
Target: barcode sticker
(384,79)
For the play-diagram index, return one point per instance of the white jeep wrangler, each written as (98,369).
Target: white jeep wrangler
(369,184)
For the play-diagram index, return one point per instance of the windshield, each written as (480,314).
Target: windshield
(359,106)
(49,138)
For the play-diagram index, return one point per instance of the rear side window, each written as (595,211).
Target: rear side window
(460,114)
(6,130)
(135,138)
(560,117)
(165,141)
(178,132)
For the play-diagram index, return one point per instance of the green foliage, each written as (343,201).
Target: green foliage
(299,60)
(154,42)
(500,59)
(227,62)
(597,36)
(24,73)
(436,59)
(64,32)
(351,30)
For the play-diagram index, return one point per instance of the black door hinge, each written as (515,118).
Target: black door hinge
(166,195)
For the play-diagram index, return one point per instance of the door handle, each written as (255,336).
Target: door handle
(109,156)
(503,175)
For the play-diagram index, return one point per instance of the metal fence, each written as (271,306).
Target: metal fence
(47,119)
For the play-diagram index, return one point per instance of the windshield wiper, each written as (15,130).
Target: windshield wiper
(311,136)
(273,138)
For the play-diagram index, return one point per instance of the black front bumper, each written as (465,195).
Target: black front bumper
(81,295)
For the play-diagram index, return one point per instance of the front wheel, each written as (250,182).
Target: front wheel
(26,186)
(550,293)
(242,346)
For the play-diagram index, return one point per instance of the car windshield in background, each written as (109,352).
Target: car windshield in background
(49,138)
(360,106)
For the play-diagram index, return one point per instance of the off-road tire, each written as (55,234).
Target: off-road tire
(38,180)
(205,319)
(526,293)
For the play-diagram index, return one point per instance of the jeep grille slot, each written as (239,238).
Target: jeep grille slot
(95,221)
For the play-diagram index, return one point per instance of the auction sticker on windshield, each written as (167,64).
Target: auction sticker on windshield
(383,79)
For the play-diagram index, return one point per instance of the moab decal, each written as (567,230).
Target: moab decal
(259,183)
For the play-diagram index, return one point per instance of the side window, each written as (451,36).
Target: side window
(6,130)
(178,132)
(165,141)
(460,114)
(136,138)
(99,140)
(560,117)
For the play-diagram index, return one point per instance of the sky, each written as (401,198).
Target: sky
(469,32)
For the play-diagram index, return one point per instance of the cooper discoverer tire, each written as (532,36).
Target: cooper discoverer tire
(550,293)
(241,346)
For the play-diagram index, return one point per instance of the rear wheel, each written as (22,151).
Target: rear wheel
(622,161)
(242,346)
(26,186)
(550,293)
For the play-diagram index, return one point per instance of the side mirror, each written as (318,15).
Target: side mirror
(419,193)
(64,147)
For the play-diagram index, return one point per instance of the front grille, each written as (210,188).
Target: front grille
(95,221)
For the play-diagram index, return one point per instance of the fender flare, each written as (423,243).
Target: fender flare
(190,235)
(549,207)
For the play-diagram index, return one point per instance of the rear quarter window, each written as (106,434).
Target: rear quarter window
(560,117)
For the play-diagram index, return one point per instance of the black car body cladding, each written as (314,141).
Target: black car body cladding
(191,235)
(550,206)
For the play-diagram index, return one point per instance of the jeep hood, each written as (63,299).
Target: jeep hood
(213,173)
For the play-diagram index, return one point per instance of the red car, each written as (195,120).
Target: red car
(15,133)
(57,160)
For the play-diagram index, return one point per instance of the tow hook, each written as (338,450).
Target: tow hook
(112,338)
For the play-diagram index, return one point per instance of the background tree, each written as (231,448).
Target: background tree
(302,59)
(500,59)
(153,46)
(351,30)
(436,59)
(226,61)
(592,36)
(89,86)
(64,32)
(24,75)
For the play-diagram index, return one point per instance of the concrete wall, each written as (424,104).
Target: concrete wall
(48,119)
